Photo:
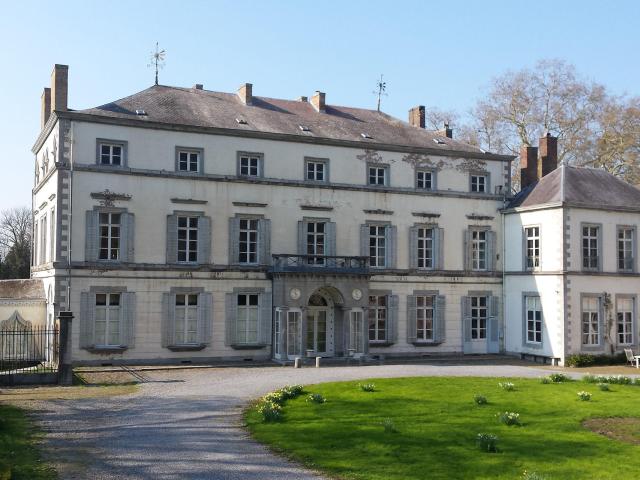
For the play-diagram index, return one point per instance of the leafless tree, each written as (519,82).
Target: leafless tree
(15,228)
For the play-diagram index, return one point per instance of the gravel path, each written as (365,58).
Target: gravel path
(186,424)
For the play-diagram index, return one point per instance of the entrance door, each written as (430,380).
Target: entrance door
(319,331)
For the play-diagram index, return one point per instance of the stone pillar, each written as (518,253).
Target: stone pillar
(65,370)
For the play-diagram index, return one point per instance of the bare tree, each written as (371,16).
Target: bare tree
(15,242)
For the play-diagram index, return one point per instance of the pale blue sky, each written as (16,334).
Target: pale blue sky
(439,54)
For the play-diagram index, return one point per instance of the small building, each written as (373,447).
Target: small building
(23,300)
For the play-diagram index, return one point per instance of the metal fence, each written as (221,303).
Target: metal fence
(27,350)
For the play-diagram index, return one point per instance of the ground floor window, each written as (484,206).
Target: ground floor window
(533,312)
(377,318)
(478,318)
(624,317)
(186,319)
(355,332)
(590,320)
(247,314)
(425,315)
(107,319)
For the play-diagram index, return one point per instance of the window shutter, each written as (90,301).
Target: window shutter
(434,180)
(412,321)
(302,225)
(265,319)
(234,240)
(264,240)
(634,250)
(466,318)
(600,248)
(127,319)
(467,249)
(230,319)
(205,309)
(87,319)
(91,236)
(600,318)
(392,237)
(204,240)
(364,240)
(127,237)
(440,327)
(438,248)
(168,319)
(392,318)
(330,235)
(413,247)
(494,345)
(491,251)
(172,239)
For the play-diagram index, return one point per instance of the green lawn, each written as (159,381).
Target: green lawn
(19,457)
(437,421)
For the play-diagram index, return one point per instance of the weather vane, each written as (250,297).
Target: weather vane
(157,60)
(381,90)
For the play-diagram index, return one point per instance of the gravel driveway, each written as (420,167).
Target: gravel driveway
(186,423)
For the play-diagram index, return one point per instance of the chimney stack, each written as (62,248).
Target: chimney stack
(317,100)
(548,153)
(529,166)
(416,116)
(45,110)
(245,92)
(446,131)
(59,88)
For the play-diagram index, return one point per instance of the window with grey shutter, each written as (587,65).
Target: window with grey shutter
(438,248)
(204,240)
(439,331)
(412,321)
(330,235)
(302,237)
(264,240)
(234,240)
(205,320)
(491,251)
(127,318)
(230,319)
(91,236)
(466,318)
(467,249)
(392,251)
(87,320)
(127,222)
(265,319)
(364,240)
(168,319)
(413,247)
(392,318)
(172,239)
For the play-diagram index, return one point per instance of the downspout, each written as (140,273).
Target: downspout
(70,216)
(504,264)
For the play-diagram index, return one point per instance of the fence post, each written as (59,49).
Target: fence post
(65,371)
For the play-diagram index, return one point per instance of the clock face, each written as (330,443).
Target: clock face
(294,293)
(356,294)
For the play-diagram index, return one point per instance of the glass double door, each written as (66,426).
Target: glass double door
(318,329)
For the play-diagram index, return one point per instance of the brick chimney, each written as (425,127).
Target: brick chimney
(529,166)
(317,100)
(45,110)
(446,131)
(245,92)
(59,87)
(548,153)
(416,116)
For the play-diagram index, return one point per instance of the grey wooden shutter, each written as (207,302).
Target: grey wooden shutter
(494,344)
(264,241)
(599,248)
(87,319)
(172,239)
(230,319)
(601,320)
(413,247)
(234,240)
(412,321)
(466,245)
(440,327)
(205,320)
(91,240)
(392,239)
(434,180)
(127,232)
(438,248)
(264,328)
(364,241)
(127,319)
(168,319)
(330,239)
(491,251)
(204,240)
(392,318)
(466,318)
(302,242)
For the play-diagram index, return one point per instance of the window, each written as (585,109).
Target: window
(248,241)
(377,245)
(187,239)
(111,154)
(186,319)
(479,183)
(424,180)
(43,239)
(533,312)
(478,318)
(107,319)
(188,161)
(109,229)
(316,170)
(624,320)
(316,242)
(250,164)
(532,247)
(590,320)
(378,175)
(34,254)
(590,247)
(425,247)
(377,318)
(478,249)
(52,235)
(625,249)
(425,315)
(247,318)
(355,332)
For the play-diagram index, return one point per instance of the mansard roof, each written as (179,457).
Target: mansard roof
(579,187)
(194,107)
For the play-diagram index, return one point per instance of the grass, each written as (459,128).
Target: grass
(436,422)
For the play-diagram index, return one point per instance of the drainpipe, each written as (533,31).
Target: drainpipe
(70,216)
(504,265)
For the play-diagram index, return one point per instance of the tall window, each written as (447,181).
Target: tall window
(424,180)
(533,309)
(355,332)
(316,171)
(43,239)
(34,254)
(316,242)
(590,247)
(478,318)
(186,315)
(109,236)
(377,318)
(479,183)
(425,247)
(188,161)
(187,239)
(107,315)
(52,235)
(110,154)
(479,249)
(590,320)
(625,249)
(249,165)
(532,247)
(378,175)
(377,245)
(624,320)
(248,240)
(425,314)
(247,318)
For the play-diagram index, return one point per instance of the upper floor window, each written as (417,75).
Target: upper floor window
(250,164)
(479,183)
(378,245)
(533,312)
(425,180)
(111,153)
(532,247)
(590,247)
(479,250)
(188,160)
(316,241)
(377,318)
(109,233)
(188,239)
(316,170)
(378,175)
(626,242)
(248,247)
(425,247)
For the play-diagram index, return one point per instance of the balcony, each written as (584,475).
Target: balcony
(320,264)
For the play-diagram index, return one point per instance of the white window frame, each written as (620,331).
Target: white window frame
(189,254)
(479,244)
(532,247)
(250,165)
(246,227)
(625,320)
(184,315)
(590,320)
(624,248)
(378,245)
(316,170)
(376,174)
(479,183)
(43,239)
(189,160)
(112,314)
(378,316)
(533,319)
(244,313)
(425,248)
(425,312)
(52,235)
(479,321)
(590,235)
(110,154)
(316,241)
(356,332)
(421,183)
(110,237)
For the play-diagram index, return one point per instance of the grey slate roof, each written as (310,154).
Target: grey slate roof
(579,186)
(204,108)
(27,289)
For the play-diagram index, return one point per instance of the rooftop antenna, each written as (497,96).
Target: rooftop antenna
(381,87)
(157,60)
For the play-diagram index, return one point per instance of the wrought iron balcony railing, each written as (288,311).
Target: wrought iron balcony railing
(320,264)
